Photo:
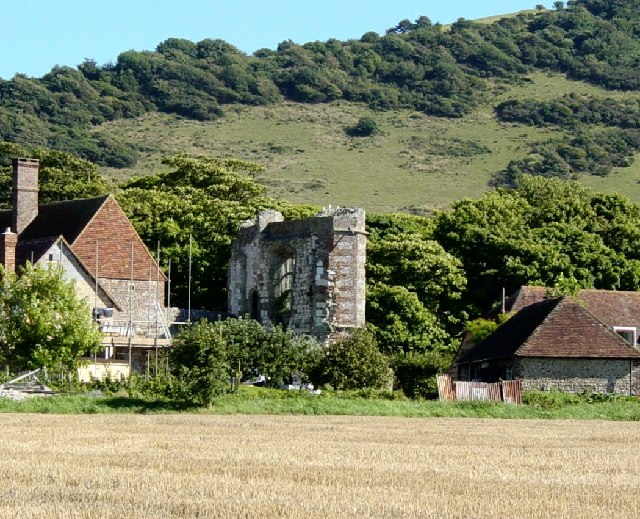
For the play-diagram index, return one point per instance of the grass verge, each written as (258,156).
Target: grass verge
(302,404)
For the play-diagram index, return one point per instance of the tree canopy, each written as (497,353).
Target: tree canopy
(544,232)
(43,323)
(201,198)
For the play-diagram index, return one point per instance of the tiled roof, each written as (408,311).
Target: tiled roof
(558,328)
(612,307)
(67,218)
(506,340)
(524,296)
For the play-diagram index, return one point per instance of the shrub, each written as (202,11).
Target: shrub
(209,359)
(415,373)
(365,127)
(354,362)
(199,362)
(549,400)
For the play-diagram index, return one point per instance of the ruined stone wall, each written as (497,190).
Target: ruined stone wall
(575,375)
(307,274)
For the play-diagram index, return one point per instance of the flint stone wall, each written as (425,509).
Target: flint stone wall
(307,274)
(620,376)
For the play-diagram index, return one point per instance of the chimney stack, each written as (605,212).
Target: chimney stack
(8,242)
(25,193)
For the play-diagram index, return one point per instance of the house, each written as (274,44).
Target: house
(585,342)
(307,275)
(97,247)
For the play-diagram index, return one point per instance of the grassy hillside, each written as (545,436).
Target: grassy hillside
(415,163)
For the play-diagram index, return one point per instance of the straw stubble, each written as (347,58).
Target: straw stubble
(295,466)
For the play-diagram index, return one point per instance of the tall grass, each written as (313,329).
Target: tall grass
(293,403)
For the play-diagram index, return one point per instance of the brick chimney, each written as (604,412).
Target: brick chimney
(8,242)
(25,193)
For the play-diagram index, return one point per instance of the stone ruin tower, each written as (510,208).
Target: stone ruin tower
(308,274)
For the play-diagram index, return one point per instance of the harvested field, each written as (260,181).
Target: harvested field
(167,466)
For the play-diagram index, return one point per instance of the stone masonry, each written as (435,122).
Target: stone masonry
(308,274)
(24,193)
(620,376)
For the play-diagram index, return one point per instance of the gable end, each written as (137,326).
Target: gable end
(111,238)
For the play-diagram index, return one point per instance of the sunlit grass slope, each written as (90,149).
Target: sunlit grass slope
(414,163)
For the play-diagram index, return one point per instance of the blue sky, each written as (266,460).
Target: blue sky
(38,34)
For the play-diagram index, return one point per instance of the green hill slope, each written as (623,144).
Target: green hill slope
(415,163)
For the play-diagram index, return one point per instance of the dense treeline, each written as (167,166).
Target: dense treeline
(588,150)
(415,65)
(571,111)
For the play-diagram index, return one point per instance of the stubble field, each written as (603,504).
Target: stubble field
(124,466)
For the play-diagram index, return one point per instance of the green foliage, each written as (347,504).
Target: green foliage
(199,363)
(588,150)
(413,285)
(273,352)
(199,197)
(354,362)
(415,65)
(43,323)
(415,373)
(365,127)
(209,359)
(401,322)
(480,328)
(546,232)
(158,386)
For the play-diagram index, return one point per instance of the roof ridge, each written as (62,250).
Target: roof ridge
(604,290)
(57,202)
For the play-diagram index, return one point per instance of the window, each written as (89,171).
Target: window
(628,333)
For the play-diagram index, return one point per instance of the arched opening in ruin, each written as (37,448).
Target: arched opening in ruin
(282,280)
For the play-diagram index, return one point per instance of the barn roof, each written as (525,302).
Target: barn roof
(558,328)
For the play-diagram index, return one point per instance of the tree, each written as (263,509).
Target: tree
(62,176)
(415,373)
(414,286)
(354,362)
(43,322)
(273,352)
(400,321)
(546,232)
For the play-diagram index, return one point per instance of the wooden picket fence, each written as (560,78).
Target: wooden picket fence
(508,391)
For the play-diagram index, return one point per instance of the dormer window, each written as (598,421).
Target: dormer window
(628,333)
